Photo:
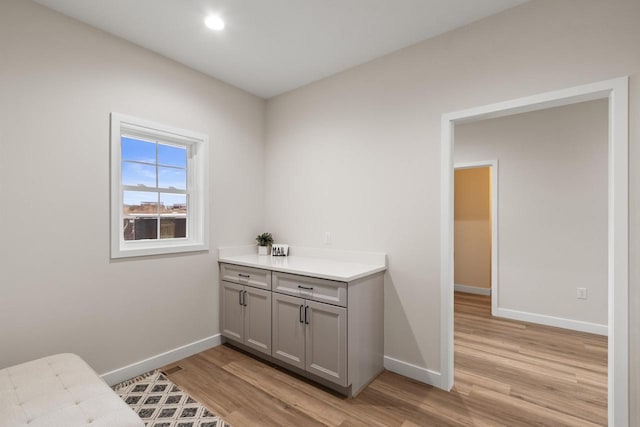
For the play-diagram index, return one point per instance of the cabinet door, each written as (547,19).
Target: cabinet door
(326,341)
(288,329)
(232,311)
(257,319)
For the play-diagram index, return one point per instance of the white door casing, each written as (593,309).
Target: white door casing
(617,92)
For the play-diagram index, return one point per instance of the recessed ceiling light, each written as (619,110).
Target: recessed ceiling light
(214,22)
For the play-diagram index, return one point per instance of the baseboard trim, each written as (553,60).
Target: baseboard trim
(154,362)
(558,322)
(412,371)
(472,289)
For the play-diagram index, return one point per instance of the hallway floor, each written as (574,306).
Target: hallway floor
(552,375)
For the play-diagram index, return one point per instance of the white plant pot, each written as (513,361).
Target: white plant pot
(263,250)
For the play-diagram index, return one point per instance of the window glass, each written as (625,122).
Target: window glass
(138,150)
(173,216)
(175,178)
(138,174)
(169,155)
(148,213)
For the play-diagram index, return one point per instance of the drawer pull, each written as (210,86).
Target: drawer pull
(246,276)
(300,314)
(306,288)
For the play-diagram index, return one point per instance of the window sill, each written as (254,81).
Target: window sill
(147,249)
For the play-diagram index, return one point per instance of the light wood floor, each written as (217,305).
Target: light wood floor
(507,373)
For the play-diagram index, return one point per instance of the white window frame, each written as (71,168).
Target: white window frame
(197,187)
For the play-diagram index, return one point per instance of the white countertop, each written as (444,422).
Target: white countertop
(333,265)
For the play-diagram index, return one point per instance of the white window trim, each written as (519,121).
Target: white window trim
(198,213)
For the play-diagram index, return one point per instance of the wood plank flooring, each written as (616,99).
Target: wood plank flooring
(508,373)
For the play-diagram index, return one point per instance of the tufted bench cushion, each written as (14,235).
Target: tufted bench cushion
(60,391)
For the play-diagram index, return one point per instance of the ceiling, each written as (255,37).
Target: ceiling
(272,46)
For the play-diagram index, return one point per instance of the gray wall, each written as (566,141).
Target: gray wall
(358,154)
(552,222)
(59,292)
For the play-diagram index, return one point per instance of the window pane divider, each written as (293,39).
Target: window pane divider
(169,166)
(154,189)
(138,162)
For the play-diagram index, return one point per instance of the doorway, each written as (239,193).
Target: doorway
(616,91)
(553,238)
(476,229)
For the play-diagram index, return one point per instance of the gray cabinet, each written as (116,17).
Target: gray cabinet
(257,319)
(232,311)
(288,330)
(311,336)
(326,341)
(326,330)
(246,315)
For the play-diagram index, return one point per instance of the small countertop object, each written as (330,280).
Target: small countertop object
(343,266)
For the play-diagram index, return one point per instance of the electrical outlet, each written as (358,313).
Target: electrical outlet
(327,238)
(582,293)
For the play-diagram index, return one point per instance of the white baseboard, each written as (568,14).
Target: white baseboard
(472,289)
(558,322)
(154,362)
(415,372)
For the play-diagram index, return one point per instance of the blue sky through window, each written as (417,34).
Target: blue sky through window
(172,156)
(138,150)
(139,168)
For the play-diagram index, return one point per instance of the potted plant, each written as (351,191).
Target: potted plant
(264,241)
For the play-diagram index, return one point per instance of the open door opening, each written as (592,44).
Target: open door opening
(553,241)
(473,213)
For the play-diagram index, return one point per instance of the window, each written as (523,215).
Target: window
(158,188)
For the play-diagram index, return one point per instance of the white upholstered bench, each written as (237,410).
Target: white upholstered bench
(60,391)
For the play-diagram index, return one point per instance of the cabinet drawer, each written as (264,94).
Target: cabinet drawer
(322,290)
(246,275)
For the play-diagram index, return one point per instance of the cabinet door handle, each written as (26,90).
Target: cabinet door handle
(244,298)
(300,314)
(306,314)
(246,276)
(240,298)
(306,288)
